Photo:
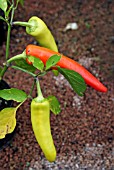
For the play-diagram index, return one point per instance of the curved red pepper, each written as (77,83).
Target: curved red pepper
(65,62)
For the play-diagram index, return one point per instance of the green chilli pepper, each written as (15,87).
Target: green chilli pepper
(40,117)
(41,33)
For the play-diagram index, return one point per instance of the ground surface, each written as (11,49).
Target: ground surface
(83,131)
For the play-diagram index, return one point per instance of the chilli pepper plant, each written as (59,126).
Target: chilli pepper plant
(37,61)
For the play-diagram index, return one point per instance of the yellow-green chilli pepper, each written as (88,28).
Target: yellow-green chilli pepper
(41,33)
(40,118)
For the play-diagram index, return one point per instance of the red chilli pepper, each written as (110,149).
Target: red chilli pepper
(44,54)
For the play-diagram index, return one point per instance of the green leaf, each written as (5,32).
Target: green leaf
(52,61)
(7,121)
(54,104)
(3,5)
(37,63)
(13,94)
(23,64)
(75,79)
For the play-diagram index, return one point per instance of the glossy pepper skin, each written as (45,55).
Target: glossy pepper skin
(41,33)
(40,118)
(44,54)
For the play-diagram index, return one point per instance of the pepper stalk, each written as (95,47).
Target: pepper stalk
(40,97)
(24,24)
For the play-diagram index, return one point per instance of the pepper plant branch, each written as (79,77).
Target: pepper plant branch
(21,103)
(3,71)
(9,31)
(9,2)
(8,41)
(13,2)
(12,15)
(17,4)
(17,57)
(32,88)
(1,18)
(21,69)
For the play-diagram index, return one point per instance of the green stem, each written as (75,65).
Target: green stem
(9,2)
(40,97)
(3,71)
(17,57)
(9,31)
(31,90)
(26,71)
(25,24)
(7,51)
(12,15)
(17,4)
(8,41)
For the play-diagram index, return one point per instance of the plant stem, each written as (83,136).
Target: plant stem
(8,41)
(25,24)
(31,90)
(3,71)
(17,57)
(26,71)
(40,97)
(12,14)
(9,2)
(9,31)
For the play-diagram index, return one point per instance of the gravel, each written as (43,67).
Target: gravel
(91,158)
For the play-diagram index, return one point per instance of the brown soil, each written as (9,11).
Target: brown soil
(83,131)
